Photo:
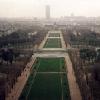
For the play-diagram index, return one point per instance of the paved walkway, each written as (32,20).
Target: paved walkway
(50,54)
(74,89)
(43,42)
(17,89)
(51,72)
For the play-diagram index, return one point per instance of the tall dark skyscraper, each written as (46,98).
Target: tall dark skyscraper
(47,11)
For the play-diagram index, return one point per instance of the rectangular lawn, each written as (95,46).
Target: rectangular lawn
(51,64)
(47,86)
(53,43)
(54,35)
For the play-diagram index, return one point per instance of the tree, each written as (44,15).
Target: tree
(83,54)
(10,55)
(88,54)
(16,54)
(98,54)
(7,55)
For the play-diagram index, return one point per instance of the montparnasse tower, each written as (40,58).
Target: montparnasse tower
(47,12)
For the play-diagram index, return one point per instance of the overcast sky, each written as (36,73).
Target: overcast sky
(36,8)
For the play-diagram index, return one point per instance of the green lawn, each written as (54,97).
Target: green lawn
(54,35)
(47,86)
(53,43)
(65,87)
(51,64)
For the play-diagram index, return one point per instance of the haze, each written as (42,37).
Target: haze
(36,8)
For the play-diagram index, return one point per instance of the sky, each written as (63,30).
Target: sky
(59,8)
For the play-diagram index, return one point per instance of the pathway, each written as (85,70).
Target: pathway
(74,89)
(17,89)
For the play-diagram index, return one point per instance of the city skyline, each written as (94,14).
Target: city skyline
(59,8)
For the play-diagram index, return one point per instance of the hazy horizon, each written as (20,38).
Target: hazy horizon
(36,8)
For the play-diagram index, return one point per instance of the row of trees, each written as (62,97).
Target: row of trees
(85,37)
(16,38)
(84,59)
(21,39)
(89,55)
(81,78)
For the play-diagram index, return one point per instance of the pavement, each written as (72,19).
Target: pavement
(74,88)
(18,87)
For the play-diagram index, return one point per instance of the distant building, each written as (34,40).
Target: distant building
(48,12)
(72,15)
